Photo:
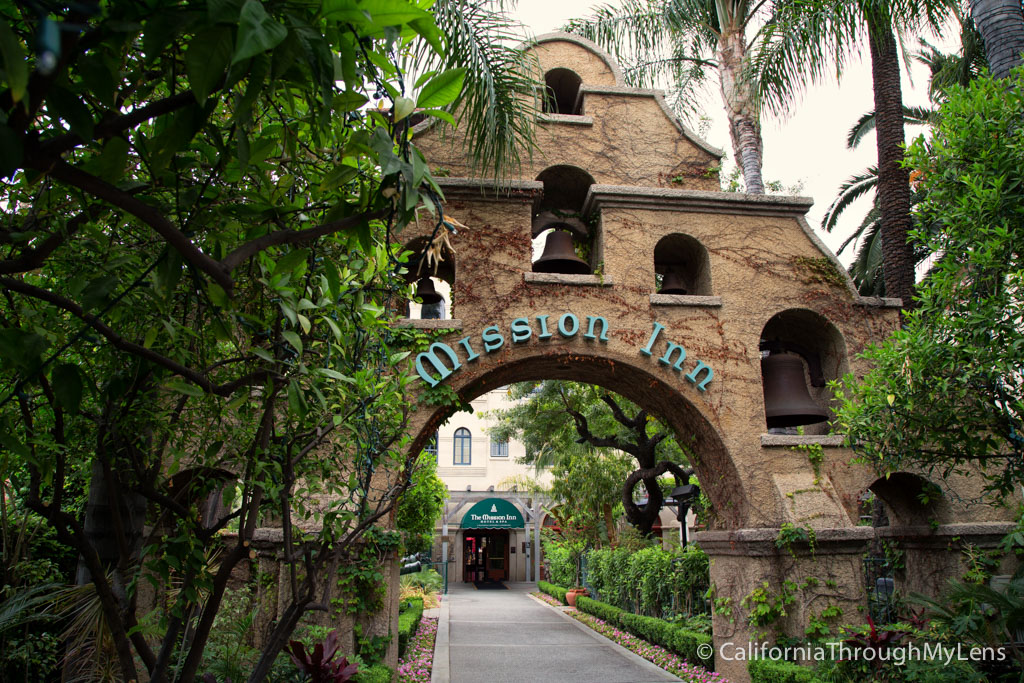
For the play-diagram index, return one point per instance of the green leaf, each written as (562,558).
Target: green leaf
(207,59)
(15,66)
(341,175)
(20,348)
(67,386)
(218,296)
(381,12)
(296,401)
(110,164)
(97,291)
(442,89)
(440,114)
(183,387)
(294,339)
(403,107)
(257,32)
(11,151)
(350,100)
(290,261)
(69,107)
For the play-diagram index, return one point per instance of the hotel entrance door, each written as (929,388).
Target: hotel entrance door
(485,555)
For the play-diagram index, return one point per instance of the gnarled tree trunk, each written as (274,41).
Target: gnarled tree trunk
(1001,24)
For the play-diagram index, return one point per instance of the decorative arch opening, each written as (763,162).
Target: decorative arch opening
(801,351)
(564,240)
(908,500)
(562,92)
(682,266)
(433,287)
(711,460)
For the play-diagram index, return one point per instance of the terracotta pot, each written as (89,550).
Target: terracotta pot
(573,593)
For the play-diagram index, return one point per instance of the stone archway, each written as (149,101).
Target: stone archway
(784,504)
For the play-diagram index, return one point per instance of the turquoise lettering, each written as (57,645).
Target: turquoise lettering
(658,327)
(520,330)
(667,358)
(471,353)
(592,323)
(707,378)
(493,339)
(544,334)
(562,327)
(431,356)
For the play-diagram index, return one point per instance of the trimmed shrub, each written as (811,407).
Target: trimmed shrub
(378,673)
(557,592)
(777,671)
(656,631)
(408,622)
(651,581)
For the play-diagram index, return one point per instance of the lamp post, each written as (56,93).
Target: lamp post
(682,498)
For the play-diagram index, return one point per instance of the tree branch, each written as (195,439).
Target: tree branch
(66,173)
(119,342)
(279,237)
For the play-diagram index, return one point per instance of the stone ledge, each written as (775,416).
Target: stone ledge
(879,302)
(571,119)
(566,279)
(761,542)
(789,440)
(429,324)
(685,300)
(692,201)
(484,189)
(983,534)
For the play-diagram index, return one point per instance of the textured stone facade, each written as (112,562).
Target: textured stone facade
(764,276)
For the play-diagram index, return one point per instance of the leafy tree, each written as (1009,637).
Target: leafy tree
(812,36)
(421,505)
(198,263)
(679,40)
(561,423)
(945,393)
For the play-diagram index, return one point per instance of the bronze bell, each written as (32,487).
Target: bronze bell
(425,291)
(673,283)
(560,257)
(786,401)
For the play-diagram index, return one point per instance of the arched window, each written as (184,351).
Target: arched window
(561,92)
(463,447)
(681,266)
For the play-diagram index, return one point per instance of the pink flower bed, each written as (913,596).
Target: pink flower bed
(419,655)
(668,661)
(547,598)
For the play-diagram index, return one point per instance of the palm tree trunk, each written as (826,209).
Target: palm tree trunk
(893,179)
(1001,24)
(741,108)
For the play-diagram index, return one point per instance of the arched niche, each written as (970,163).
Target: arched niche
(202,487)
(562,92)
(560,207)
(821,348)
(687,259)
(711,460)
(910,500)
(441,276)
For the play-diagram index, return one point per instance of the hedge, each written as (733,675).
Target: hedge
(378,673)
(779,671)
(408,622)
(557,592)
(657,631)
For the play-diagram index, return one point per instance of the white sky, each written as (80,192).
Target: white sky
(809,147)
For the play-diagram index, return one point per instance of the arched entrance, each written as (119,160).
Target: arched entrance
(763,284)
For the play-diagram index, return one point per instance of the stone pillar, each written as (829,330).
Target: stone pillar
(793,582)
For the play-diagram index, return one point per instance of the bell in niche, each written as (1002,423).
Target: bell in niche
(560,257)
(673,283)
(786,401)
(425,291)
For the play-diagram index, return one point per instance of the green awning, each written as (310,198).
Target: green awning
(492,513)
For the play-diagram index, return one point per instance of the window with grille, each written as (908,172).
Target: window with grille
(432,445)
(499,449)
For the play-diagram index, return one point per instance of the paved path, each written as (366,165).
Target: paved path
(507,636)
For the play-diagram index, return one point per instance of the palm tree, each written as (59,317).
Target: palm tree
(679,40)
(1001,24)
(812,36)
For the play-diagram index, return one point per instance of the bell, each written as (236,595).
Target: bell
(425,291)
(560,257)
(672,283)
(786,401)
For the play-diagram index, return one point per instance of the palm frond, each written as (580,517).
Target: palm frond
(498,104)
(852,189)
(866,269)
(26,605)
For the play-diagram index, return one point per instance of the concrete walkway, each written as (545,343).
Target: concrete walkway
(508,636)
